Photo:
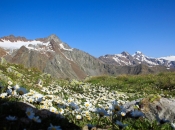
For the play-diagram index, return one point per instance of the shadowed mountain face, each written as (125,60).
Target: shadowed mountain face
(51,55)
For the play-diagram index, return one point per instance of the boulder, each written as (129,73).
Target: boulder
(160,108)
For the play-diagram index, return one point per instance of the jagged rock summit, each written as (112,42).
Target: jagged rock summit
(12,38)
(54,37)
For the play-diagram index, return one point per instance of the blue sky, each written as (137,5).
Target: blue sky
(97,27)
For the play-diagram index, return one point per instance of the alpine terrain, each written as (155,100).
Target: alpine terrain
(52,56)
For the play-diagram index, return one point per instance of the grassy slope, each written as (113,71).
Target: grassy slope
(162,83)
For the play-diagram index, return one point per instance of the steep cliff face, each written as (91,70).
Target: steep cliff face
(29,58)
(89,64)
(62,62)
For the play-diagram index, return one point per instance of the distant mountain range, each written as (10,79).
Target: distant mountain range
(51,55)
(125,59)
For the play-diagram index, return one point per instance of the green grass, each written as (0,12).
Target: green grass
(162,83)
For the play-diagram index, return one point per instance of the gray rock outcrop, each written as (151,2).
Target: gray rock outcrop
(162,109)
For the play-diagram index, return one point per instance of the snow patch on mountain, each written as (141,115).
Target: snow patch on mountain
(170,58)
(137,53)
(31,45)
(62,47)
(126,63)
(40,47)
(117,60)
(67,57)
(149,61)
(6,44)
(120,55)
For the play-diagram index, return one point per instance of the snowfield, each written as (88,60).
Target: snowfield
(6,44)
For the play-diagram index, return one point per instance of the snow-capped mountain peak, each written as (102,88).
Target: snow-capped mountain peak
(10,43)
(124,53)
(138,58)
(138,53)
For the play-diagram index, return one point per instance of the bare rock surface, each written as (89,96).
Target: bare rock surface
(162,109)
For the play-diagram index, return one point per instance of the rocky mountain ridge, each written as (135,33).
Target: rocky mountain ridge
(51,55)
(125,59)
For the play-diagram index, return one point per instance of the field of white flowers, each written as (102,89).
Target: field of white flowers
(48,104)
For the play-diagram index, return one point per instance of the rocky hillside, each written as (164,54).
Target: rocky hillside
(51,55)
(125,59)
